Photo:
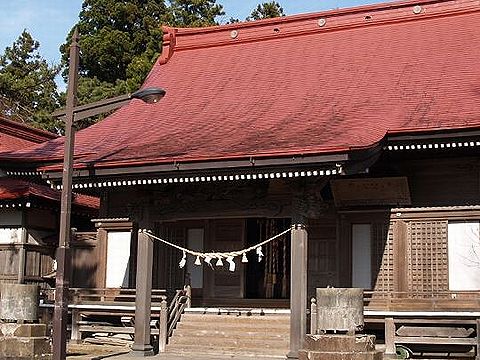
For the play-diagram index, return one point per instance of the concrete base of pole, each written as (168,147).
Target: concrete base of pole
(141,351)
(292,355)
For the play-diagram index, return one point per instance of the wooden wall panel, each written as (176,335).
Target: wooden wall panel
(427,256)
(323,254)
(225,235)
(383,257)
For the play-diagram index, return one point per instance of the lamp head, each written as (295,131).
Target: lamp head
(149,95)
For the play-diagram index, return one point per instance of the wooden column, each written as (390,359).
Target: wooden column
(400,257)
(141,344)
(389,337)
(298,290)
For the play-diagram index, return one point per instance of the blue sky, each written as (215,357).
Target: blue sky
(50,20)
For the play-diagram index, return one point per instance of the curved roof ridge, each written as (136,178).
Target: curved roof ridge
(176,39)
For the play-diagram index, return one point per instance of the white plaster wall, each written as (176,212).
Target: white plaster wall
(361,256)
(10,235)
(118,257)
(464,255)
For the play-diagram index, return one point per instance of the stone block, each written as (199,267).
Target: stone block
(29,348)
(322,355)
(19,301)
(330,342)
(340,309)
(31,330)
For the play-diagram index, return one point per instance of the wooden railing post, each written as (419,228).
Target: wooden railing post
(75,336)
(389,336)
(188,293)
(478,340)
(162,333)
(313,316)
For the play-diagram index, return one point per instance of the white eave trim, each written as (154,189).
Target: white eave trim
(433,145)
(238,176)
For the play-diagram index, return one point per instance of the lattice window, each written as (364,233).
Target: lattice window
(382,248)
(427,256)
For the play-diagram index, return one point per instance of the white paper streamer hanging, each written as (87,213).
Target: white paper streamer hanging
(231,264)
(259,253)
(197,261)
(183,261)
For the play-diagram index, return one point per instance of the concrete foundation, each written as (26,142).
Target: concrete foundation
(339,347)
(24,341)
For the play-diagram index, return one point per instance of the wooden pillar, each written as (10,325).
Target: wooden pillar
(389,337)
(478,341)
(75,335)
(141,344)
(298,290)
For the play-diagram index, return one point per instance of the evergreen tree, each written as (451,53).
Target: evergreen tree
(194,13)
(28,92)
(266,10)
(121,39)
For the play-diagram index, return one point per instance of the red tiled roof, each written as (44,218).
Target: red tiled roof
(14,189)
(15,136)
(305,84)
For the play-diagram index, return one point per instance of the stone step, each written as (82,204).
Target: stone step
(232,326)
(239,342)
(280,319)
(234,332)
(231,333)
(324,355)
(254,352)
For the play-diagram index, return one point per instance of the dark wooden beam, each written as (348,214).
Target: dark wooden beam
(183,168)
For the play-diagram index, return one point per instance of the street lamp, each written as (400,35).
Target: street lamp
(73,113)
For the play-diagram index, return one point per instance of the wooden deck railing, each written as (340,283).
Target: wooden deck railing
(422,301)
(119,304)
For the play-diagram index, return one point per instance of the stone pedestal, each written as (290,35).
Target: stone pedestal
(24,341)
(339,347)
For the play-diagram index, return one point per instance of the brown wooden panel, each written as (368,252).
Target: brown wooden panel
(382,256)
(322,254)
(427,256)
(166,272)
(225,235)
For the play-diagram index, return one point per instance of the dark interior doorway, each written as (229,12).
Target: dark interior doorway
(269,278)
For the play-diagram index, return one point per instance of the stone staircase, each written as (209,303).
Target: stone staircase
(255,333)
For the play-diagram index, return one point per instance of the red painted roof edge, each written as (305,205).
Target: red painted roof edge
(19,188)
(24,131)
(177,39)
(432,131)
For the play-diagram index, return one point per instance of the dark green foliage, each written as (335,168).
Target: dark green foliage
(120,39)
(194,13)
(266,10)
(28,92)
